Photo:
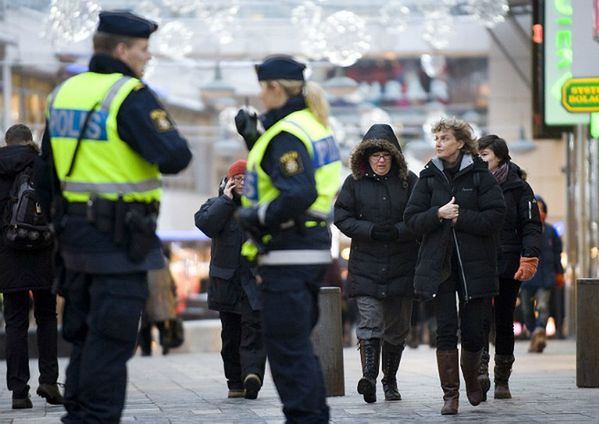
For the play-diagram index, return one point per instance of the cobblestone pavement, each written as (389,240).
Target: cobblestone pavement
(189,388)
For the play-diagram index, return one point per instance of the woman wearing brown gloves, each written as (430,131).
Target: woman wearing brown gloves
(369,210)
(456,207)
(517,257)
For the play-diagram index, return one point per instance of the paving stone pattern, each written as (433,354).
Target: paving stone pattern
(190,388)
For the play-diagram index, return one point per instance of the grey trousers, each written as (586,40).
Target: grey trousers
(387,319)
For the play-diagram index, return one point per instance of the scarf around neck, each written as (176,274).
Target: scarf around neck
(500,173)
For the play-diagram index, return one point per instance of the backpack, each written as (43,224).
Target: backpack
(26,226)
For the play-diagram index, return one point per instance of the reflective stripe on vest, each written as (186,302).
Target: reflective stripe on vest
(105,165)
(295,257)
(323,151)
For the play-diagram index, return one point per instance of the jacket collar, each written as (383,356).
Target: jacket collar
(105,64)
(294,104)
(467,160)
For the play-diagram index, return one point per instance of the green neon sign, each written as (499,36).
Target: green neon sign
(558,62)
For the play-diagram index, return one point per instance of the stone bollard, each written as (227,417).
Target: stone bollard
(327,338)
(587,323)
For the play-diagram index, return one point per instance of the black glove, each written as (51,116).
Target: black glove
(247,126)
(384,232)
(249,222)
(248,218)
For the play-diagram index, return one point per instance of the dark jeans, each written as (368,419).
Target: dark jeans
(101,317)
(144,338)
(243,350)
(472,315)
(290,312)
(16,315)
(503,317)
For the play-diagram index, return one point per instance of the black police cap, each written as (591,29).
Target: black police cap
(123,22)
(280,67)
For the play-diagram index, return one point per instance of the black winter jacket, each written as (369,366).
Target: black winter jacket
(230,273)
(473,237)
(377,268)
(521,230)
(20,270)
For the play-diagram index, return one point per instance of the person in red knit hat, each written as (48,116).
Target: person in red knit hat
(233,290)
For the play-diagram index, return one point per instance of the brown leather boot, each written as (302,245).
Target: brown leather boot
(449,374)
(483,373)
(470,362)
(391,358)
(370,353)
(503,370)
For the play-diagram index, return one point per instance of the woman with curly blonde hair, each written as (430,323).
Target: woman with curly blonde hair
(457,208)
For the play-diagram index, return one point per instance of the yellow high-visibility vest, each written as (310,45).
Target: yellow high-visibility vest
(324,152)
(105,166)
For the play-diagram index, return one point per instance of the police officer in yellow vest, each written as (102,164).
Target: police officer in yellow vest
(293,173)
(107,140)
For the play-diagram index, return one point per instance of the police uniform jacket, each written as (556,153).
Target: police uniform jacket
(377,268)
(84,248)
(289,166)
(521,231)
(20,270)
(473,239)
(230,274)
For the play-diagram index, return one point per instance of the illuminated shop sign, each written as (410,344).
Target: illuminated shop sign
(559,57)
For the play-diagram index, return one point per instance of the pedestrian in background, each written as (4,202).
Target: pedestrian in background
(233,290)
(457,208)
(518,258)
(106,143)
(535,293)
(23,272)
(369,210)
(160,309)
(293,173)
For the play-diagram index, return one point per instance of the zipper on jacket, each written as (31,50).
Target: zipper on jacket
(530,210)
(457,247)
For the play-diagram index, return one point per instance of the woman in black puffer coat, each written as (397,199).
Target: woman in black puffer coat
(20,272)
(518,257)
(369,210)
(457,208)
(233,290)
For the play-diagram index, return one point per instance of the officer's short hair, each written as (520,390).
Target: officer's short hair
(106,43)
(18,134)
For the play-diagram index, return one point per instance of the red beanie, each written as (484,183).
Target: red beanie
(237,168)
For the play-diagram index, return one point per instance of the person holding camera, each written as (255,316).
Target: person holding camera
(369,210)
(233,291)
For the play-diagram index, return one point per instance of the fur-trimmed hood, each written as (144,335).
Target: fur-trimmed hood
(380,137)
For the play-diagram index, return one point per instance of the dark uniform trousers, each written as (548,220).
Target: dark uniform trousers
(101,318)
(16,315)
(243,350)
(290,312)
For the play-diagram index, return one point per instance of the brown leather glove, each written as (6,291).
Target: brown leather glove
(560,280)
(527,269)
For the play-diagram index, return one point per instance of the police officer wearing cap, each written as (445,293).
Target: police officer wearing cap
(106,143)
(293,173)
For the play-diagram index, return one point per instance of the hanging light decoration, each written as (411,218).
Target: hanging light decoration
(71,20)
(150,10)
(182,7)
(488,12)
(394,15)
(438,26)
(220,18)
(307,19)
(432,64)
(173,40)
(346,38)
